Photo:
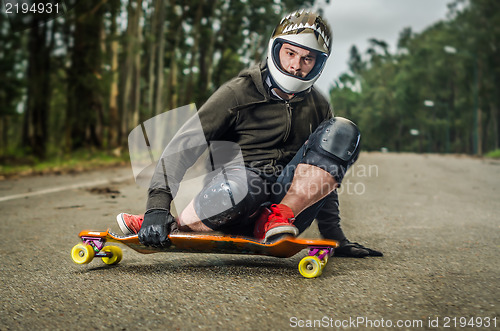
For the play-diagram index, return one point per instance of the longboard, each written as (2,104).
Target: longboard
(94,245)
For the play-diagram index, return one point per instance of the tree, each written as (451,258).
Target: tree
(12,55)
(85,110)
(130,69)
(35,125)
(113,120)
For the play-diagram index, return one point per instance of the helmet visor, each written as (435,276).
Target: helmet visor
(315,71)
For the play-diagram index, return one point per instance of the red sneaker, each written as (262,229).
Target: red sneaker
(129,224)
(277,221)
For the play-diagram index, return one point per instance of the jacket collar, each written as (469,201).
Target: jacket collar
(258,73)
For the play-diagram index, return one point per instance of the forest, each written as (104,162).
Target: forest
(82,80)
(437,93)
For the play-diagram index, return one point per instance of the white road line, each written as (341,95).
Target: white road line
(64,188)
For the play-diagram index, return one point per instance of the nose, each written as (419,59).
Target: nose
(295,63)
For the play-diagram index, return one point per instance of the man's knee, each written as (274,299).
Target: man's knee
(228,199)
(334,146)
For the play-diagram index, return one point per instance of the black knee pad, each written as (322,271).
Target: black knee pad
(230,197)
(333,146)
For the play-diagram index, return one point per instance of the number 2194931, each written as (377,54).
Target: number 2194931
(35,8)
(473,322)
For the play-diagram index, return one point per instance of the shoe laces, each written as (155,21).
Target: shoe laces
(278,217)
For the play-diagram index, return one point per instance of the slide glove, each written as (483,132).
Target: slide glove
(156,228)
(350,249)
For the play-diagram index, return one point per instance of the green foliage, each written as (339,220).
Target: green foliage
(494,154)
(386,93)
(12,84)
(11,66)
(80,160)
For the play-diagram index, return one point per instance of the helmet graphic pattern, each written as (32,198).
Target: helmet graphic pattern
(305,22)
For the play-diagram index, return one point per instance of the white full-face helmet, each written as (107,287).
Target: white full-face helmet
(306,30)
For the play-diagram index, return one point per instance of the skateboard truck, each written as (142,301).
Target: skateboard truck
(93,246)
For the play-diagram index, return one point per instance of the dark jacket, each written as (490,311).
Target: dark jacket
(268,130)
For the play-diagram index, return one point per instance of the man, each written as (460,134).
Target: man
(295,153)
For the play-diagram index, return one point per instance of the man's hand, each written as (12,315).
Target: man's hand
(156,227)
(350,249)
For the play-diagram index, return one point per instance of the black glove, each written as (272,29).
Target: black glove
(350,249)
(156,227)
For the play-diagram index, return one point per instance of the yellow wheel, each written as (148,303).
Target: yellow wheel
(310,267)
(115,258)
(82,253)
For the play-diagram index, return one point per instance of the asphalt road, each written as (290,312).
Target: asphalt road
(436,218)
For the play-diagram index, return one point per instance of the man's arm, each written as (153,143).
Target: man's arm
(328,219)
(329,226)
(210,123)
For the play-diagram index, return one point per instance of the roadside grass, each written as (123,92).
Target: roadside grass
(494,154)
(76,162)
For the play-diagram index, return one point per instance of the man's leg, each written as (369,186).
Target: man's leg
(188,220)
(310,184)
(316,171)
(226,203)
(326,209)
(331,149)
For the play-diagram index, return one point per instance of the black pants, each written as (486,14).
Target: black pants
(231,201)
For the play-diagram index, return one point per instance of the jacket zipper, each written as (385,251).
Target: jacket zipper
(288,120)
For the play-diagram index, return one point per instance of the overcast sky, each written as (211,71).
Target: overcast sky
(355,21)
